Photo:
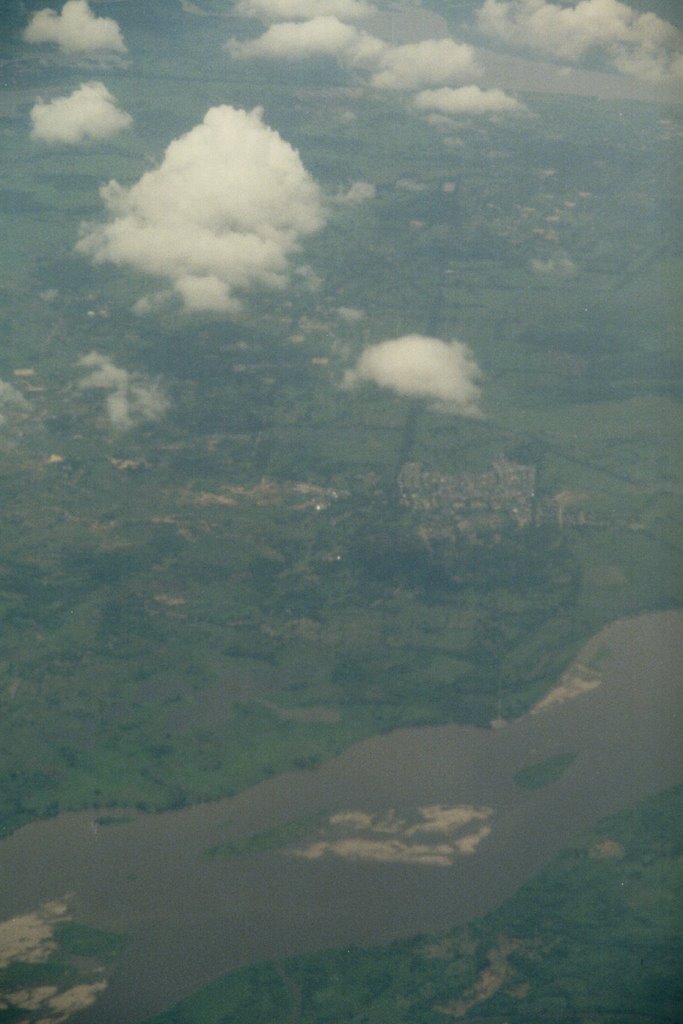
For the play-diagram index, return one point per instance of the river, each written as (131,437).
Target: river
(192,916)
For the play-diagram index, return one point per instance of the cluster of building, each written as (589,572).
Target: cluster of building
(470,504)
(448,507)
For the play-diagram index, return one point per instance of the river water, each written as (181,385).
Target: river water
(192,917)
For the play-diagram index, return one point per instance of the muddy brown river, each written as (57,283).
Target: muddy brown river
(191,916)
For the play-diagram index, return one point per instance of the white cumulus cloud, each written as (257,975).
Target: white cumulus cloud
(350,314)
(295,10)
(359,192)
(637,43)
(422,367)
(89,112)
(321,36)
(430,62)
(409,66)
(468,99)
(559,265)
(130,399)
(12,403)
(75,30)
(223,212)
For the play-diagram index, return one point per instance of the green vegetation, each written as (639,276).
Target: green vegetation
(22,975)
(236,590)
(596,936)
(175,601)
(536,776)
(112,819)
(270,838)
(257,995)
(160,614)
(81,940)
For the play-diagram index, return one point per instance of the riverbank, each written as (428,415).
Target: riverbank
(189,916)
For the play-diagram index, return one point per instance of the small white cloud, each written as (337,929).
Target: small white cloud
(409,185)
(560,265)
(442,122)
(104,374)
(222,213)
(359,192)
(350,314)
(641,44)
(299,40)
(89,112)
(204,292)
(422,367)
(311,281)
(75,30)
(152,303)
(468,99)
(294,40)
(647,65)
(430,62)
(12,403)
(131,399)
(303,10)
